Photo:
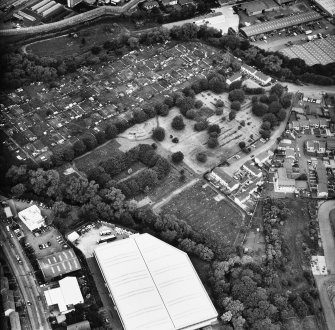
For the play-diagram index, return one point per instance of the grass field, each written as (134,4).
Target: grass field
(93,158)
(197,206)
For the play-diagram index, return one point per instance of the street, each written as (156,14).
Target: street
(24,275)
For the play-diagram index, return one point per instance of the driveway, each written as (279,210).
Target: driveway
(327,234)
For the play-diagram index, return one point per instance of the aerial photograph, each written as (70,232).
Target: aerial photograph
(167,164)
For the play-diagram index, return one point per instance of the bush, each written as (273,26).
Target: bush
(235,105)
(201,157)
(259,109)
(214,128)
(232,115)
(236,95)
(242,144)
(200,126)
(198,104)
(218,111)
(177,157)
(212,142)
(190,114)
(219,104)
(158,134)
(178,123)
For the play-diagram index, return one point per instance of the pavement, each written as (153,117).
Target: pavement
(24,275)
(327,234)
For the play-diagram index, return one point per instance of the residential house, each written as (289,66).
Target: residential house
(150,4)
(262,78)
(331,145)
(186,2)
(282,183)
(295,125)
(263,157)
(219,175)
(283,144)
(245,68)
(304,124)
(252,169)
(322,186)
(235,77)
(314,123)
(324,123)
(318,147)
(169,2)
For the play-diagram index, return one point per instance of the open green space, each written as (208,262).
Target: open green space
(70,45)
(197,206)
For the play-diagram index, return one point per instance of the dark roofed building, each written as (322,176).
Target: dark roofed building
(331,145)
(258,6)
(83,325)
(186,2)
(58,264)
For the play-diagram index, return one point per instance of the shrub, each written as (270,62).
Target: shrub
(190,114)
(201,157)
(218,111)
(235,105)
(178,123)
(232,115)
(219,104)
(236,95)
(212,142)
(214,128)
(198,104)
(200,125)
(177,157)
(158,134)
(242,144)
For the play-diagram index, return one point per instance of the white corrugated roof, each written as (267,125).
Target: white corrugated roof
(154,285)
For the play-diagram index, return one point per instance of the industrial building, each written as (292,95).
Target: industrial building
(154,285)
(32,217)
(64,297)
(59,263)
(258,7)
(328,6)
(280,23)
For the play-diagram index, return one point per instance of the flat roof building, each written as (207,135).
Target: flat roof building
(32,217)
(14,320)
(258,6)
(59,263)
(282,183)
(280,23)
(154,285)
(64,297)
(8,212)
(327,6)
(83,325)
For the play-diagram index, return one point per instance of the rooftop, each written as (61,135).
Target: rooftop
(32,217)
(58,264)
(162,290)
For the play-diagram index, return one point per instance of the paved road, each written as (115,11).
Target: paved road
(327,234)
(325,301)
(25,279)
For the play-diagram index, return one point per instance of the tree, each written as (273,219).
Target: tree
(201,157)
(200,125)
(219,103)
(90,141)
(236,95)
(17,174)
(198,104)
(235,85)
(265,134)
(150,111)
(68,153)
(235,105)
(79,190)
(217,85)
(191,114)
(281,115)
(218,111)
(214,128)
(18,190)
(158,134)
(133,42)
(242,144)
(266,125)
(44,182)
(270,117)
(178,123)
(232,115)
(259,109)
(274,107)
(79,148)
(185,104)
(277,89)
(111,131)
(177,157)
(140,116)
(212,142)
(264,99)
(59,209)
(286,100)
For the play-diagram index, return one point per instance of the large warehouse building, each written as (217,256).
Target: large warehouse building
(154,285)
(280,23)
(328,6)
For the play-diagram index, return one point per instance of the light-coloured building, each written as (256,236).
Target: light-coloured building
(73,236)
(8,303)
(8,212)
(263,157)
(32,217)
(65,297)
(328,6)
(154,285)
(235,77)
(219,175)
(322,177)
(169,2)
(14,320)
(282,183)
(252,169)
(83,325)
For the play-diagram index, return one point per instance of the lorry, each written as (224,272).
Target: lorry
(308,32)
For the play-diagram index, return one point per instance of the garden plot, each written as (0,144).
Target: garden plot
(198,206)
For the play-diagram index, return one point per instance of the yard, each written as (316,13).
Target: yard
(205,210)
(307,323)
